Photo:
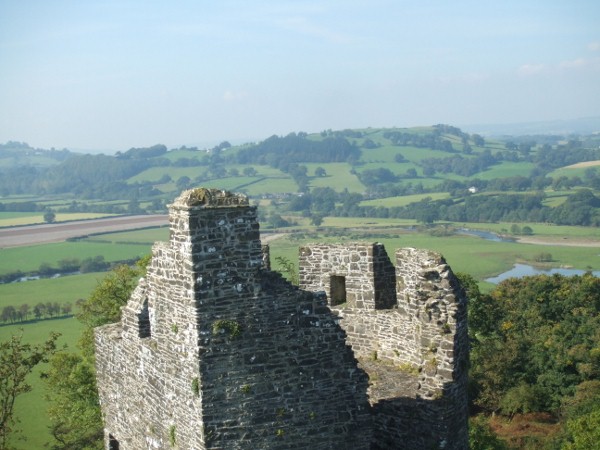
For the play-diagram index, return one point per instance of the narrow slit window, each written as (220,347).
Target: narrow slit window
(144,330)
(338,290)
(113,444)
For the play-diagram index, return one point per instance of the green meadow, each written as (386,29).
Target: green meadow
(65,289)
(271,186)
(404,200)
(571,172)
(142,237)
(338,177)
(507,169)
(27,259)
(11,219)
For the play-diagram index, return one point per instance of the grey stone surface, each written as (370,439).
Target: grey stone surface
(215,351)
(413,342)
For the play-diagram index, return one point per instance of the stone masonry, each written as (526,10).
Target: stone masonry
(215,351)
(412,339)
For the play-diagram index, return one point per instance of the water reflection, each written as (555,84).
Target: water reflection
(525,270)
(487,235)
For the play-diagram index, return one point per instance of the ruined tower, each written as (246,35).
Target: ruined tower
(215,351)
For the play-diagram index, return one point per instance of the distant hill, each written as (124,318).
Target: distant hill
(585,125)
(458,175)
(19,154)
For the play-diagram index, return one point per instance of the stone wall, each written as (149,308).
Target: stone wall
(216,352)
(423,332)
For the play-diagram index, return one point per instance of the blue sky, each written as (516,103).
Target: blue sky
(110,75)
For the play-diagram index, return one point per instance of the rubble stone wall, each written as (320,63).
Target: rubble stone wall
(424,331)
(215,351)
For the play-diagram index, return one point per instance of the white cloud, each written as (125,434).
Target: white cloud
(578,63)
(527,70)
(232,96)
(594,46)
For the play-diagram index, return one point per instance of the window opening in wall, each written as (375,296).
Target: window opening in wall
(338,290)
(144,330)
(113,444)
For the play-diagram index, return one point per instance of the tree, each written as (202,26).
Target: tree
(249,171)
(316,219)
(399,158)
(8,313)
(104,303)
(39,310)
(24,311)
(183,182)
(584,431)
(17,360)
(481,436)
(76,421)
(527,231)
(411,173)
(320,172)
(478,140)
(49,216)
(534,341)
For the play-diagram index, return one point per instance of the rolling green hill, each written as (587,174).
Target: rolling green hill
(366,169)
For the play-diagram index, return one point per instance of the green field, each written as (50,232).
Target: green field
(404,200)
(541,229)
(67,289)
(156,173)
(11,219)
(174,155)
(27,259)
(571,172)
(338,177)
(507,169)
(146,237)
(271,186)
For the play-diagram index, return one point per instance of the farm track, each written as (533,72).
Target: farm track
(58,232)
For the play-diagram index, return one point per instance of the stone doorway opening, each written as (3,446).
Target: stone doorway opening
(337,286)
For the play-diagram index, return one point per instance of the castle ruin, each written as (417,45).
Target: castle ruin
(216,351)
